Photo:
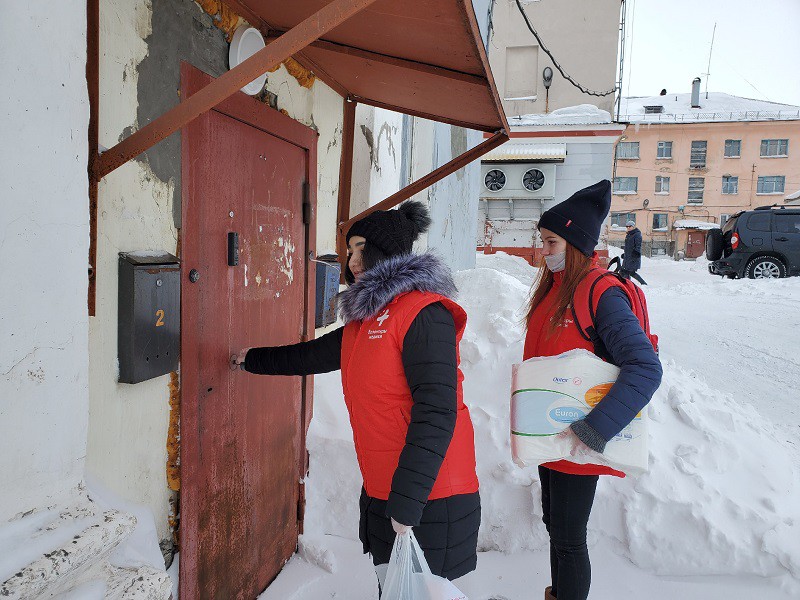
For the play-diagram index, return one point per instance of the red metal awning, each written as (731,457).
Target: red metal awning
(419,57)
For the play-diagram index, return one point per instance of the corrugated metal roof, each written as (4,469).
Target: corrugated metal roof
(526,152)
(693,224)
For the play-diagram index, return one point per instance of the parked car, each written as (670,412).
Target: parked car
(759,244)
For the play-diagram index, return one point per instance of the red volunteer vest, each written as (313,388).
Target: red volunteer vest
(379,400)
(539,341)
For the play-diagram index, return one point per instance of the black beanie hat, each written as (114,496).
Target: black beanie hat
(578,219)
(393,231)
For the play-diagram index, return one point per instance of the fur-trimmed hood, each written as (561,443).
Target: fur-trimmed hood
(391,277)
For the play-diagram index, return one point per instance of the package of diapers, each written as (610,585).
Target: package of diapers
(550,393)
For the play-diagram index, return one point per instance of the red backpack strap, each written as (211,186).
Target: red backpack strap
(584,306)
(587,297)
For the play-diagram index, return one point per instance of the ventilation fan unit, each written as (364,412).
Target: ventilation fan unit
(533,180)
(495,180)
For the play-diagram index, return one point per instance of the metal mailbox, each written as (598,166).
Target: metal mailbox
(328,274)
(149,315)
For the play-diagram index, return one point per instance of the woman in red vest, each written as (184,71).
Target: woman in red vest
(398,353)
(570,231)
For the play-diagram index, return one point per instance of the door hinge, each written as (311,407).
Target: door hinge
(306,204)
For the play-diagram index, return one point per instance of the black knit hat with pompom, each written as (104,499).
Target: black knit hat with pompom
(393,231)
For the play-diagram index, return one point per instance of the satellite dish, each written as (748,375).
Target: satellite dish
(646,202)
(246,42)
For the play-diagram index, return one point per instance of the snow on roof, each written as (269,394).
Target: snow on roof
(582,114)
(794,196)
(514,151)
(717,107)
(693,224)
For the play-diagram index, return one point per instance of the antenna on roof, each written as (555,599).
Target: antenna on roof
(710,50)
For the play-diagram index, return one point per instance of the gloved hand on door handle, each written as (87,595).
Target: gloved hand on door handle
(237,360)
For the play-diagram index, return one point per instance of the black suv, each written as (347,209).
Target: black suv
(761,243)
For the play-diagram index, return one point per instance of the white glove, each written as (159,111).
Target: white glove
(576,446)
(237,360)
(399,528)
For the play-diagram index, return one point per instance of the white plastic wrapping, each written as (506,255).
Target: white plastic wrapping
(550,393)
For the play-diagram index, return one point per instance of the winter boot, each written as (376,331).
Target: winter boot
(547,594)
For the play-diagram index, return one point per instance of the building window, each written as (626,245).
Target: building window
(771,184)
(662,185)
(628,150)
(774,148)
(626,185)
(664,150)
(696,187)
(698,156)
(618,220)
(659,221)
(733,148)
(723,218)
(730,184)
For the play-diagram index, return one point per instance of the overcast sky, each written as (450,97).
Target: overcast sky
(756,47)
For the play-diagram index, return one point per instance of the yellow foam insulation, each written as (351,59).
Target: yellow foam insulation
(303,76)
(224,18)
(174,434)
(227,20)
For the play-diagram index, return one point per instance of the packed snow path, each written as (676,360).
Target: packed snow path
(716,518)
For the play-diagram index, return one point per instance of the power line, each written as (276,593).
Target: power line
(555,62)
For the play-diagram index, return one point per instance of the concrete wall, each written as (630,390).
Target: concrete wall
(587,162)
(390,151)
(747,168)
(142,44)
(583,35)
(377,156)
(453,201)
(44,244)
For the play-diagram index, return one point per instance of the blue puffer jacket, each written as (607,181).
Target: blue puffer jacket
(640,371)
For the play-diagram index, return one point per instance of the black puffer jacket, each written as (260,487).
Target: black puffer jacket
(632,260)
(447,528)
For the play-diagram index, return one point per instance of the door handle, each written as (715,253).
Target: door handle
(781,239)
(233,249)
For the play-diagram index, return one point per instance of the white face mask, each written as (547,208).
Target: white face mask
(556,262)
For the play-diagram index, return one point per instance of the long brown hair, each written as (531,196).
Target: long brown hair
(577,267)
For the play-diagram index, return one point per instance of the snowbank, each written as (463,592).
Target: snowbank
(693,224)
(582,114)
(721,496)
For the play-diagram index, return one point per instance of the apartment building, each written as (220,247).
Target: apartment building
(685,164)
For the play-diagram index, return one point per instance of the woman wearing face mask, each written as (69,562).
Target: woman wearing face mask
(570,232)
(398,353)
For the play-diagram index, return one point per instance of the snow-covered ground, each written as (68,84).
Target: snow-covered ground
(717,516)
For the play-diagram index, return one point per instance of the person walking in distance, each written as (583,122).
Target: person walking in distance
(632,256)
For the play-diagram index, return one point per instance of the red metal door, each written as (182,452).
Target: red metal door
(696,244)
(242,436)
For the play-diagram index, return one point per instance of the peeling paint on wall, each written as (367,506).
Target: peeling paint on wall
(387,131)
(370,139)
(285,260)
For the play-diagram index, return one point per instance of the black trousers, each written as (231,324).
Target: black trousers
(567,502)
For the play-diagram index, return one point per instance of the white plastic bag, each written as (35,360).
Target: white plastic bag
(550,393)
(410,578)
